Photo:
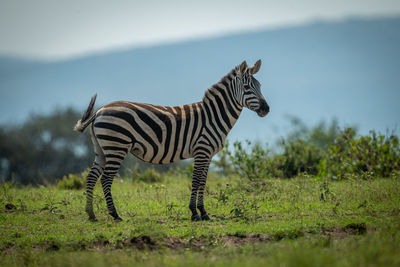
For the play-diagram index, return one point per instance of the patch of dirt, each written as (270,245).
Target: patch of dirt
(240,240)
(52,246)
(350,229)
(7,248)
(356,228)
(174,243)
(192,243)
(143,242)
(97,245)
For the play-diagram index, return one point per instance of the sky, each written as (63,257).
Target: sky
(54,30)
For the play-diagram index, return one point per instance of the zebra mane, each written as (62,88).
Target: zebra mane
(224,80)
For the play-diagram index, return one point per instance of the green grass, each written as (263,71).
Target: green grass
(299,222)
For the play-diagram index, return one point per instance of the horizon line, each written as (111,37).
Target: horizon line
(188,39)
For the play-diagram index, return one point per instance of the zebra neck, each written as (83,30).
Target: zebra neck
(221,107)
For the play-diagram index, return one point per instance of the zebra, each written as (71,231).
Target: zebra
(162,134)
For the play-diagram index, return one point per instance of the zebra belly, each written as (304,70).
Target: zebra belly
(161,157)
(138,153)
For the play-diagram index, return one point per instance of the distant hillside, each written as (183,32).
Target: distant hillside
(349,70)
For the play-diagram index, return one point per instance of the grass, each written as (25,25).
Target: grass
(304,221)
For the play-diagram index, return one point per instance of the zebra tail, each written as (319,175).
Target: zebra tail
(87,117)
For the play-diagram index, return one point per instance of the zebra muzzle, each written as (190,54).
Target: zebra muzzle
(264,109)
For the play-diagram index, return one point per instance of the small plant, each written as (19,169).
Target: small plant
(253,165)
(6,195)
(325,192)
(238,213)
(73,181)
(150,175)
(222,196)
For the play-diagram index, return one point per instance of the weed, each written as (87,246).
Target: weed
(5,189)
(73,181)
(325,192)
(150,175)
(223,194)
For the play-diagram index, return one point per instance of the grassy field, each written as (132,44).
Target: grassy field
(304,221)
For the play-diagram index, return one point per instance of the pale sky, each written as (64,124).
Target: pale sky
(52,29)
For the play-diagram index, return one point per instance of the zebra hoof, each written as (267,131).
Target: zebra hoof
(118,219)
(205,217)
(196,218)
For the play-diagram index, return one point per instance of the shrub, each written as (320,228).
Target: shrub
(150,175)
(373,154)
(73,181)
(257,162)
(303,151)
(254,164)
(322,150)
(300,157)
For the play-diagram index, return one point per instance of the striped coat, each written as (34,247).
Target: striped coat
(160,134)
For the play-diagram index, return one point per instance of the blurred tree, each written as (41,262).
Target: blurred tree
(44,148)
(321,135)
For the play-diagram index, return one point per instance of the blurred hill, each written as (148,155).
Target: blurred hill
(349,70)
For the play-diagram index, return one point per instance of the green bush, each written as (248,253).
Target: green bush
(257,162)
(73,181)
(374,154)
(323,151)
(301,152)
(150,175)
(299,157)
(254,162)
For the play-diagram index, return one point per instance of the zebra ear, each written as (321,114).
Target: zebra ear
(255,68)
(243,67)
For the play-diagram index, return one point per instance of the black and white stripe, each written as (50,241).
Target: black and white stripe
(160,135)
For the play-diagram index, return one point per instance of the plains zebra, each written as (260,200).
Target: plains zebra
(159,134)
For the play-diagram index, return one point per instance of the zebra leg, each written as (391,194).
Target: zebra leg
(110,171)
(192,204)
(95,172)
(200,203)
(200,168)
(91,180)
(106,182)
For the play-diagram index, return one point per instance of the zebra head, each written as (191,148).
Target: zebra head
(248,89)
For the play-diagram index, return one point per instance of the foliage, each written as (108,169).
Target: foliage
(305,147)
(254,164)
(374,154)
(321,135)
(43,149)
(73,181)
(299,157)
(150,175)
(322,150)
(300,153)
